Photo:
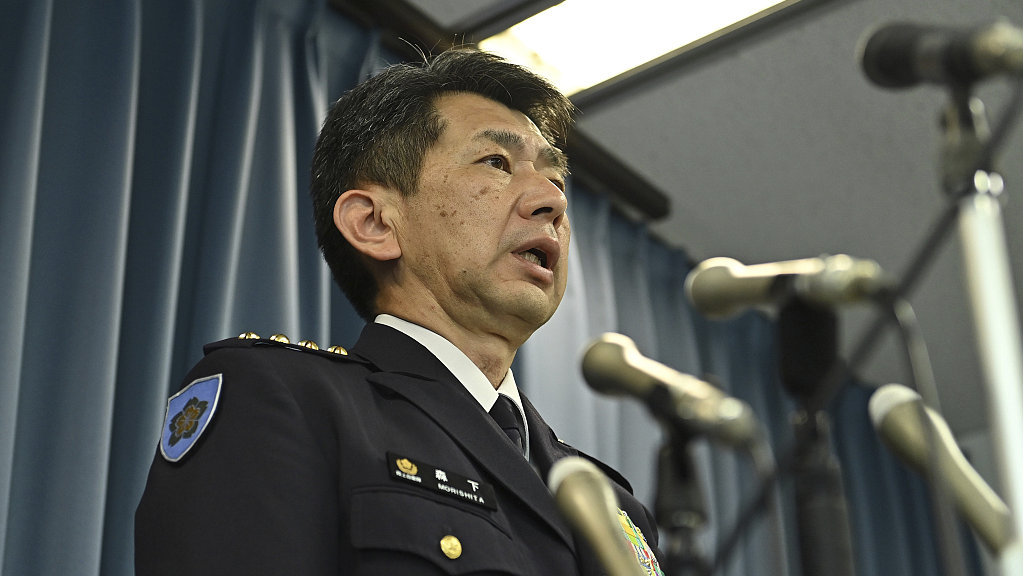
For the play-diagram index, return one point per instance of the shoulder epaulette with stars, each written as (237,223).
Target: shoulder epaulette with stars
(251,340)
(191,409)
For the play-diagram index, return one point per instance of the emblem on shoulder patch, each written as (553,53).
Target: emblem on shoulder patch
(188,413)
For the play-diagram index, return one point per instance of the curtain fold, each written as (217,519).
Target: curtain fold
(638,434)
(226,181)
(168,98)
(24,37)
(153,197)
(76,274)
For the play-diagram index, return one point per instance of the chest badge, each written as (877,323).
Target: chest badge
(635,538)
(188,413)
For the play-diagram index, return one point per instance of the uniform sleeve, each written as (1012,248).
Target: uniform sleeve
(256,494)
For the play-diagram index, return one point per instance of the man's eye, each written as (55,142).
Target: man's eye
(498,162)
(558,183)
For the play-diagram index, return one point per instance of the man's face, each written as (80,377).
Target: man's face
(485,233)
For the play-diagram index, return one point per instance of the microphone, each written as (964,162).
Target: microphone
(904,55)
(896,414)
(613,365)
(723,287)
(588,503)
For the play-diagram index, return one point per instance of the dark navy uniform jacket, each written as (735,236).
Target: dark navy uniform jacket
(293,474)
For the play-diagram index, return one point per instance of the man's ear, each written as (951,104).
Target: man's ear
(363,218)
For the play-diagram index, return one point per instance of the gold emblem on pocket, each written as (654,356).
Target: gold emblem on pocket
(451,547)
(408,467)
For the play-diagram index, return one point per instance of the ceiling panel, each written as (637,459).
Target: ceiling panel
(449,13)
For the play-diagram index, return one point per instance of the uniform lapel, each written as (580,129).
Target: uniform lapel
(413,372)
(545,449)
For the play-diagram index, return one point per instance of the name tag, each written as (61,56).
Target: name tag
(436,479)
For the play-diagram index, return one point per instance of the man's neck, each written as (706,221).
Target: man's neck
(490,351)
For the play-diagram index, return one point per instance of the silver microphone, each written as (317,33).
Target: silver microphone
(613,365)
(896,414)
(723,287)
(587,502)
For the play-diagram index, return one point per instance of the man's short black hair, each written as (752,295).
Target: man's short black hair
(379,132)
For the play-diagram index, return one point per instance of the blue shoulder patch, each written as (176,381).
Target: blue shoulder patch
(188,413)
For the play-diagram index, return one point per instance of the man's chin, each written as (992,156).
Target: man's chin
(534,312)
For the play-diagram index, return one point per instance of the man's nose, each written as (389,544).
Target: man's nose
(542,199)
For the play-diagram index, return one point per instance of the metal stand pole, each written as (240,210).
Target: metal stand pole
(826,547)
(990,290)
(679,509)
(808,350)
(997,333)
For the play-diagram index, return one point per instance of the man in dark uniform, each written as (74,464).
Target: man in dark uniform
(438,193)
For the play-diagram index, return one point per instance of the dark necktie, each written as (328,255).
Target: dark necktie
(506,414)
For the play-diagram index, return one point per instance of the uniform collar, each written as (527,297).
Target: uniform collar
(464,370)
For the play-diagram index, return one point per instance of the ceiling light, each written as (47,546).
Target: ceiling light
(580,43)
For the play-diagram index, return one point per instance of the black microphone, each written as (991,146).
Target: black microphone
(723,287)
(613,365)
(588,503)
(904,55)
(896,414)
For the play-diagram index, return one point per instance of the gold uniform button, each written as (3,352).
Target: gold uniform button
(338,350)
(309,344)
(280,338)
(451,547)
(248,336)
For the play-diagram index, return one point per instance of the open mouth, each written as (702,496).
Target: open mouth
(535,255)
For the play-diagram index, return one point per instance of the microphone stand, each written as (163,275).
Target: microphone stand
(679,508)
(808,351)
(1000,344)
(967,178)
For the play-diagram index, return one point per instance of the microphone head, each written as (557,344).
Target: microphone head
(568,466)
(607,367)
(896,414)
(703,288)
(887,397)
(587,501)
(613,365)
(887,55)
(904,55)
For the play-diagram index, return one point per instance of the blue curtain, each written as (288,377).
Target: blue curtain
(153,175)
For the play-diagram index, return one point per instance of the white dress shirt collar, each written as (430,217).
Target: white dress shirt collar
(462,368)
